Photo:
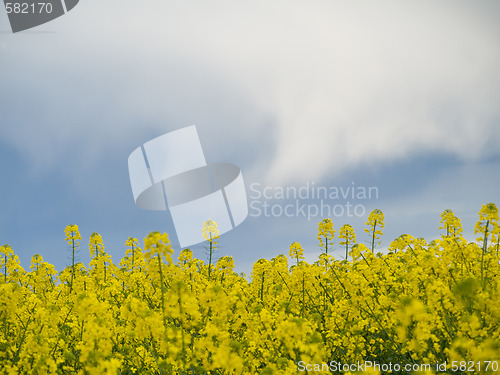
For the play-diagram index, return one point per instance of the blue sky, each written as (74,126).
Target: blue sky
(399,95)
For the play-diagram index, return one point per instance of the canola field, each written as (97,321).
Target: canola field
(420,303)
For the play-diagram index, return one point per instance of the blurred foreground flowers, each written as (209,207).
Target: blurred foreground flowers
(419,303)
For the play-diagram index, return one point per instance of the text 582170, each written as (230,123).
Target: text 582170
(28,8)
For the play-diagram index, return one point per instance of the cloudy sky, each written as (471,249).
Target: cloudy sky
(398,95)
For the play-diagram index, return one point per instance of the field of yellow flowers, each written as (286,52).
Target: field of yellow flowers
(419,303)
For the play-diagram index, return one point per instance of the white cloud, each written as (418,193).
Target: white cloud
(340,84)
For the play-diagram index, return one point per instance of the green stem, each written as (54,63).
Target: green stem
(162,291)
(262,288)
(485,247)
(72,264)
(373,235)
(182,329)
(133,254)
(210,257)
(303,296)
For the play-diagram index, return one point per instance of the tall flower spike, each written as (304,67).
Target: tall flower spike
(132,251)
(325,233)
(95,244)
(375,224)
(210,232)
(296,251)
(487,223)
(348,237)
(451,223)
(157,243)
(73,238)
